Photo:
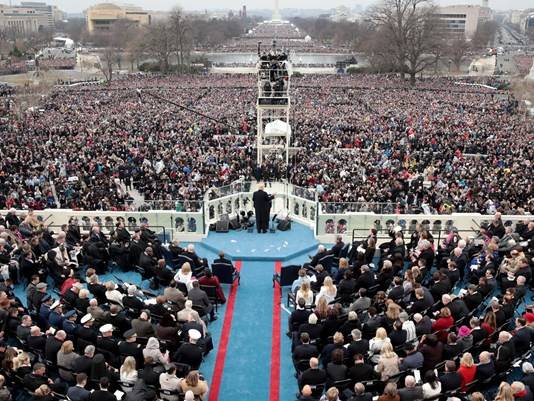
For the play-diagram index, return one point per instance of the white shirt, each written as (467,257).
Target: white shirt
(329,297)
(308,297)
(429,392)
(184,278)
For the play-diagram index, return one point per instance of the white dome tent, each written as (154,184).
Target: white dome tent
(277,128)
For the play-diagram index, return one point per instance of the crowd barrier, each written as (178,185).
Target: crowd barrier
(300,204)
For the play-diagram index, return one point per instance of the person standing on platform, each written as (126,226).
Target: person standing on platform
(262,206)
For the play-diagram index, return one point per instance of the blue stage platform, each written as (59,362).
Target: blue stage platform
(281,246)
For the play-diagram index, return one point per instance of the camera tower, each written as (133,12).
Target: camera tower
(273,105)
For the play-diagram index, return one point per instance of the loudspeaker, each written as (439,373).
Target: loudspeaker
(284,225)
(221,226)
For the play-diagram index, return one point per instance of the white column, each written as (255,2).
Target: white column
(276,12)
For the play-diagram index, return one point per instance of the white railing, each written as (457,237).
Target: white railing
(300,203)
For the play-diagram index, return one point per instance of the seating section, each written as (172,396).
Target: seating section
(428,311)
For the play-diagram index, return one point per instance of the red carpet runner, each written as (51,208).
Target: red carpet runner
(274,394)
(225,336)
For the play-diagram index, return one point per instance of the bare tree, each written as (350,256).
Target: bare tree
(107,59)
(457,50)
(120,36)
(410,33)
(180,27)
(135,49)
(484,34)
(158,42)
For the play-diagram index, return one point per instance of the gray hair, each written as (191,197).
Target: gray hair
(356,334)
(527,367)
(89,350)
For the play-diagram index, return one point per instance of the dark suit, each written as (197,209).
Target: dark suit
(132,302)
(485,371)
(100,395)
(450,381)
(361,397)
(77,393)
(262,207)
(312,377)
(411,393)
(522,339)
(52,346)
(362,372)
(190,354)
(458,308)
(304,351)
(298,317)
(473,300)
(505,356)
(358,347)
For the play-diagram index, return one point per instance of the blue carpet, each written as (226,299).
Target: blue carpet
(246,373)
(281,245)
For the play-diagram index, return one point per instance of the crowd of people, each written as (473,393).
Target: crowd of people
(74,335)
(439,147)
(413,319)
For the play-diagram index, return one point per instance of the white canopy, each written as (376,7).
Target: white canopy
(277,128)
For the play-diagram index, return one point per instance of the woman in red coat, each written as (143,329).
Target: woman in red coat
(210,279)
(467,370)
(443,324)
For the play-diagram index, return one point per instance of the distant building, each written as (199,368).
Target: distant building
(462,19)
(341,13)
(29,17)
(101,17)
(524,19)
(244,12)
(54,14)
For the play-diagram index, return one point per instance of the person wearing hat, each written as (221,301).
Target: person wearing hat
(190,352)
(56,317)
(108,345)
(465,338)
(69,324)
(44,310)
(39,294)
(86,333)
(129,347)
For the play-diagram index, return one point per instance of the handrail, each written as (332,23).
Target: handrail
(384,233)
(129,227)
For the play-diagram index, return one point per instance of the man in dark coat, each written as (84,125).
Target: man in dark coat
(314,375)
(190,353)
(262,206)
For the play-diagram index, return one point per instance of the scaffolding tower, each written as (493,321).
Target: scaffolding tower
(273,105)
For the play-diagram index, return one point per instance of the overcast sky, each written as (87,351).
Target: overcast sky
(75,6)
